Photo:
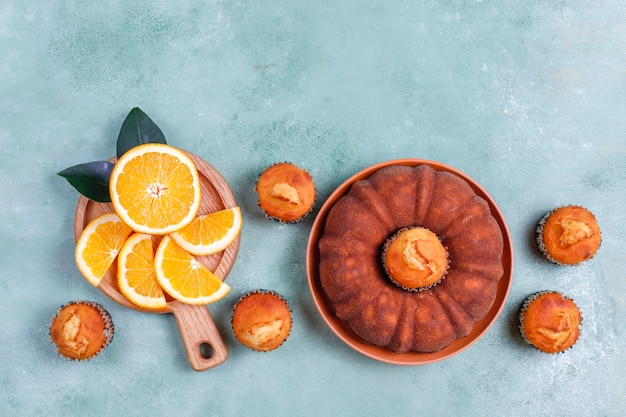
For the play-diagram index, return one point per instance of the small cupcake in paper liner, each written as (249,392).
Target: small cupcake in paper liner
(550,321)
(81,330)
(261,320)
(286,192)
(415,259)
(568,235)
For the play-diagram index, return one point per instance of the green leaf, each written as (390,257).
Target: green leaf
(137,129)
(90,179)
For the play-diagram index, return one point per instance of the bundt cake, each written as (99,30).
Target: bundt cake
(378,308)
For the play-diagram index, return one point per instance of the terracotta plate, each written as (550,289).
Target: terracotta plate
(344,332)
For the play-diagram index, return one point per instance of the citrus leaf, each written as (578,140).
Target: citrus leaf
(91,179)
(137,129)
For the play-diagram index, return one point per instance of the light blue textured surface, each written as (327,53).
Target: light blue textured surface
(526,97)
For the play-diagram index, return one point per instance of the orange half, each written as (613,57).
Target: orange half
(155,188)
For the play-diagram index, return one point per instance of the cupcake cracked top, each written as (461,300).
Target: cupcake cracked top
(81,329)
(286,192)
(569,235)
(261,320)
(414,258)
(550,321)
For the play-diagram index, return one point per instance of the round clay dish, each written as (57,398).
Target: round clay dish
(342,330)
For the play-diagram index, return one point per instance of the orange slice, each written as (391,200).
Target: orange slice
(184,277)
(136,276)
(99,244)
(210,233)
(155,188)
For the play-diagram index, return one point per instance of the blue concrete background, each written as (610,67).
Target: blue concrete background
(526,97)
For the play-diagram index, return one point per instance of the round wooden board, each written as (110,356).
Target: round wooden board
(344,332)
(216,195)
(194,322)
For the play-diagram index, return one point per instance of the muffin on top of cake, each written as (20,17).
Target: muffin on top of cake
(414,258)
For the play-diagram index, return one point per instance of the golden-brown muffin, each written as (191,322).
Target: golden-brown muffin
(550,321)
(261,320)
(568,235)
(414,258)
(286,192)
(81,329)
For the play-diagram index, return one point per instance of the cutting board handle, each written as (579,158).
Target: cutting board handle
(203,342)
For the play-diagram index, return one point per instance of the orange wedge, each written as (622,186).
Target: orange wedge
(210,233)
(98,246)
(136,276)
(155,188)
(184,277)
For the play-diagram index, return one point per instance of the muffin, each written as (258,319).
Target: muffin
(550,321)
(414,258)
(286,192)
(81,330)
(568,235)
(261,320)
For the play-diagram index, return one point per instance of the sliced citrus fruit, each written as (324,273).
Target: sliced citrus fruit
(155,188)
(99,244)
(184,277)
(210,233)
(136,276)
